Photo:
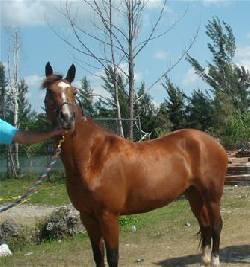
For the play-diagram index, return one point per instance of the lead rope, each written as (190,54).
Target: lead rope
(33,188)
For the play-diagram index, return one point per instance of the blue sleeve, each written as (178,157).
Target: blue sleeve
(7,132)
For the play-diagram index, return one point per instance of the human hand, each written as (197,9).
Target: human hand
(59,131)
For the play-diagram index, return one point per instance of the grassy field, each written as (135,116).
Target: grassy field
(51,192)
(164,237)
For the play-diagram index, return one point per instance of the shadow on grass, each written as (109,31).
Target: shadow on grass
(233,254)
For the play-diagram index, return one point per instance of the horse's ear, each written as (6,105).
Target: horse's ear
(48,69)
(71,73)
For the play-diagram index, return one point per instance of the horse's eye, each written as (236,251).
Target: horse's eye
(74,91)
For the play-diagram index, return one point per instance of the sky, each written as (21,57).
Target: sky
(38,20)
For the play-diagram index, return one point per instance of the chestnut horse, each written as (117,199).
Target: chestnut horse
(108,176)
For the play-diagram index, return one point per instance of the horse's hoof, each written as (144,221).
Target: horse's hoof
(205,264)
(206,257)
(215,261)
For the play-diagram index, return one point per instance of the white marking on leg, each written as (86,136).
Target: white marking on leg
(215,261)
(206,256)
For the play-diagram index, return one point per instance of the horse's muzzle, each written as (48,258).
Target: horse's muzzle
(67,120)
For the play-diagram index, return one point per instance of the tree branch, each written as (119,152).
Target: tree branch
(184,53)
(145,42)
(92,54)
(153,29)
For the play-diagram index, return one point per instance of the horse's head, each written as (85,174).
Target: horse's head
(60,102)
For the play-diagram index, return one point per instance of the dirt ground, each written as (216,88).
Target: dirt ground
(159,246)
(183,251)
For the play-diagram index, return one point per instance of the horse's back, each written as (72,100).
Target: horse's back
(204,157)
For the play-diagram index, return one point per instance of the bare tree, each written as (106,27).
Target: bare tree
(13,72)
(117,28)
(112,51)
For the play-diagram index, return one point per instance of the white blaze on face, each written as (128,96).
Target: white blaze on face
(65,107)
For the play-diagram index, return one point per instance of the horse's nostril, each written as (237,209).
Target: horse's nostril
(63,116)
(66,117)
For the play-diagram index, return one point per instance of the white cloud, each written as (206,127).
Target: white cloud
(218,3)
(35,94)
(248,35)
(34,81)
(22,13)
(243,56)
(154,3)
(19,13)
(190,77)
(161,55)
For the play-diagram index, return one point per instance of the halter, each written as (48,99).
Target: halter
(59,108)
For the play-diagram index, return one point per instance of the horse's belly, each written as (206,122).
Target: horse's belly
(147,205)
(155,193)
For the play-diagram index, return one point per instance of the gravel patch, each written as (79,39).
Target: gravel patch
(29,214)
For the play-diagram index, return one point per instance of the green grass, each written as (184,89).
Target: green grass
(72,249)
(161,226)
(46,253)
(50,192)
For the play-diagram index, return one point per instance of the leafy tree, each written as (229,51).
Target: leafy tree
(200,111)
(85,96)
(3,91)
(175,105)
(146,110)
(164,125)
(107,106)
(26,116)
(228,82)
(237,130)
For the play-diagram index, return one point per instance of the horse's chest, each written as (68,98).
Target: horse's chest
(80,197)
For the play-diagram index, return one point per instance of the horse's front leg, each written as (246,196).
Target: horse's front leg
(93,228)
(110,232)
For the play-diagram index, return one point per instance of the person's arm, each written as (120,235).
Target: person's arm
(29,137)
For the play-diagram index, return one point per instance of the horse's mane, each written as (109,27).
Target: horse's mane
(51,79)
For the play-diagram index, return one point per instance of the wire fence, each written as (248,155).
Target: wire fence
(33,159)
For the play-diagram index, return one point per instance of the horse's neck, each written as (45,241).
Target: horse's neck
(77,145)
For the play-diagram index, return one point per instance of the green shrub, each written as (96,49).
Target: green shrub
(237,132)
(128,221)
(16,236)
(60,224)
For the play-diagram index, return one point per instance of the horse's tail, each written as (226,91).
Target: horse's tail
(199,236)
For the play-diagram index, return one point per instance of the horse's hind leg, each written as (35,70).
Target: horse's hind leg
(216,224)
(94,232)
(200,211)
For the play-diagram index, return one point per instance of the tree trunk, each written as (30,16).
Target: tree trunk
(120,126)
(117,102)
(131,69)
